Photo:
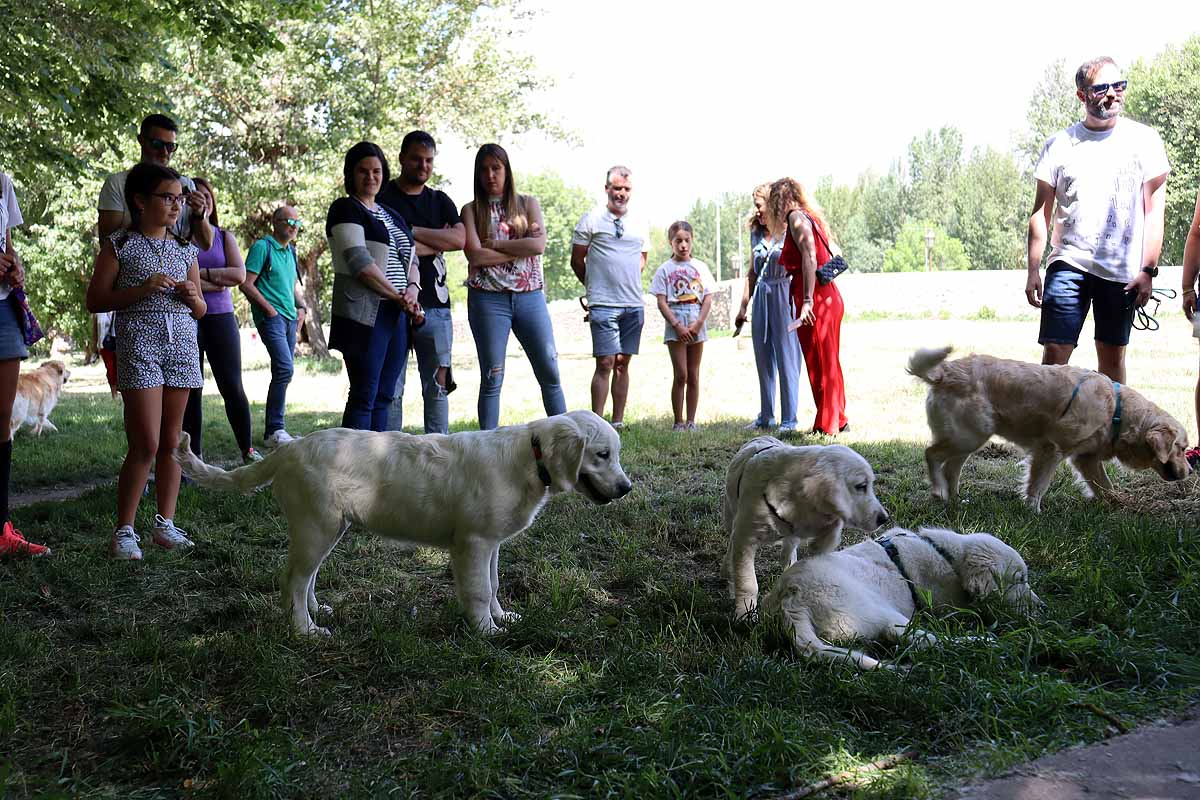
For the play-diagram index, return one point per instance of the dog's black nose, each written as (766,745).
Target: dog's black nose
(624,488)
(882,519)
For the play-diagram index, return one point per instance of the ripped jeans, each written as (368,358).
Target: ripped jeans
(492,315)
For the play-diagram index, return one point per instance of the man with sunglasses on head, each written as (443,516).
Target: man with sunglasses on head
(1104,180)
(277,305)
(157,140)
(608,255)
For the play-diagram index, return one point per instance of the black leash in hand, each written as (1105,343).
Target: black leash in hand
(1144,320)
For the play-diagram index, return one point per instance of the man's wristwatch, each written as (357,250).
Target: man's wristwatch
(1151,271)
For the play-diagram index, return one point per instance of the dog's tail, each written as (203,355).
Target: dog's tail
(807,643)
(925,362)
(243,479)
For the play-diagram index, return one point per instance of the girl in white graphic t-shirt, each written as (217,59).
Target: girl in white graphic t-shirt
(684,289)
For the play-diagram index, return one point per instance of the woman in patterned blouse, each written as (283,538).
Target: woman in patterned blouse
(505,241)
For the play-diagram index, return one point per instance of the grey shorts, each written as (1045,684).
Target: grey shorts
(686,313)
(616,329)
(156,349)
(12,336)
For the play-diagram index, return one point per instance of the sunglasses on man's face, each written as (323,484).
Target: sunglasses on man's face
(162,144)
(1101,89)
(292,223)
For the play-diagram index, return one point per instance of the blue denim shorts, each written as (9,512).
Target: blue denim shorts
(12,337)
(616,329)
(1067,295)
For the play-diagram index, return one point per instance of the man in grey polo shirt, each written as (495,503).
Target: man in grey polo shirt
(608,255)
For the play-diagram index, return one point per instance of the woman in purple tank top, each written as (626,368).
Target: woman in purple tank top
(221,267)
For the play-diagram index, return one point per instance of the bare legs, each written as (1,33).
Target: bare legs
(612,370)
(153,419)
(685,388)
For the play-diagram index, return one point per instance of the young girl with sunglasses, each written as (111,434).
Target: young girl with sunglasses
(684,289)
(152,280)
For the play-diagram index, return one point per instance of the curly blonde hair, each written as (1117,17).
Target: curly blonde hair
(763,190)
(788,195)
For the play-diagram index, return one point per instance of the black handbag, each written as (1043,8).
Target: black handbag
(834,266)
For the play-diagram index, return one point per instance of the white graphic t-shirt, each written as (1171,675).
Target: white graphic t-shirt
(683,281)
(1099,216)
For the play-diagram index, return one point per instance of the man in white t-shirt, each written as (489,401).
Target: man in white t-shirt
(1104,179)
(608,255)
(157,140)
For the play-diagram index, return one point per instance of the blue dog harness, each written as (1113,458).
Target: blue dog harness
(893,553)
(1116,417)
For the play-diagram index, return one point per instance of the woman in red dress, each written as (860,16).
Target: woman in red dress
(819,307)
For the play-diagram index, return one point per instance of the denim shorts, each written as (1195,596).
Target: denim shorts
(1067,295)
(687,314)
(12,337)
(616,329)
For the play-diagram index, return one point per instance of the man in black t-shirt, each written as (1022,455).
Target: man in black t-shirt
(438,229)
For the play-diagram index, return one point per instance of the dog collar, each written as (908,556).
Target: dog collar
(941,551)
(542,472)
(889,547)
(738,490)
(1116,417)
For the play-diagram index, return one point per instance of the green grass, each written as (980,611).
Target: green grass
(624,678)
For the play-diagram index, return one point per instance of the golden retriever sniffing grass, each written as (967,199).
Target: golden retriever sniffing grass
(869,592)
(466,493)
(1053,412)
(37,395)
(800,495)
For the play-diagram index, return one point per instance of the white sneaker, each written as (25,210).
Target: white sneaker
(167,536)
(125,544)
(277,438)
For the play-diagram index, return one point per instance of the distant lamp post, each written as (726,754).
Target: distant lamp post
(929,237)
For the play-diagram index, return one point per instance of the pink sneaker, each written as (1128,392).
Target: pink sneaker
(12,543)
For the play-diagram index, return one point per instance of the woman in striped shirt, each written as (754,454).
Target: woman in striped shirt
(375,285)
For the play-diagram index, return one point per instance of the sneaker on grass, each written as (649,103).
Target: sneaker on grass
(251,456)
(13,544)
(125,544)
(277,438)
(167,536)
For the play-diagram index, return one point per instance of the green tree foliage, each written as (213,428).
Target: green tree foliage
(734,212)
(908,253)
(1164,93)
(1052,107)
(562,206)
(273,123)
(934,162)
(990,208)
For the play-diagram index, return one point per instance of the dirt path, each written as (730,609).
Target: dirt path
(1160,761)
(49,494)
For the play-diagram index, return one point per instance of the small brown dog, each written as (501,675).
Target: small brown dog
(37,395)
(1053,412)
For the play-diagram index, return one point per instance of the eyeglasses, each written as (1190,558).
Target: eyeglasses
(1101,89)
(292,223)
(619,226)
(172,199)
(162,144)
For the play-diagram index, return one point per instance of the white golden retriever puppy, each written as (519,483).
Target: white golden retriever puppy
(466,493)
(1051,411)
(870,591)
(777,492)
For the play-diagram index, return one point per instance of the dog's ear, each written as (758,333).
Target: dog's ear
(828,494)
(1161,440)
(978,571)
(562,443)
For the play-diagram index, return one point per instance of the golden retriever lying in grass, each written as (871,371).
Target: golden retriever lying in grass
(1053,412)
(37,395)
(870,592)
(466,493)
(800,495)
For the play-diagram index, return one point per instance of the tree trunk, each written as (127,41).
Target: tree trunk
(312,299)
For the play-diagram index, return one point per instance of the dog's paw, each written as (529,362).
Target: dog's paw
(315,631)
(321,608)
(507,618)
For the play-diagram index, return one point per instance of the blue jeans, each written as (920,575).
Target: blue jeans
(492,315)
(374,369)
(431,342)
(278,334)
